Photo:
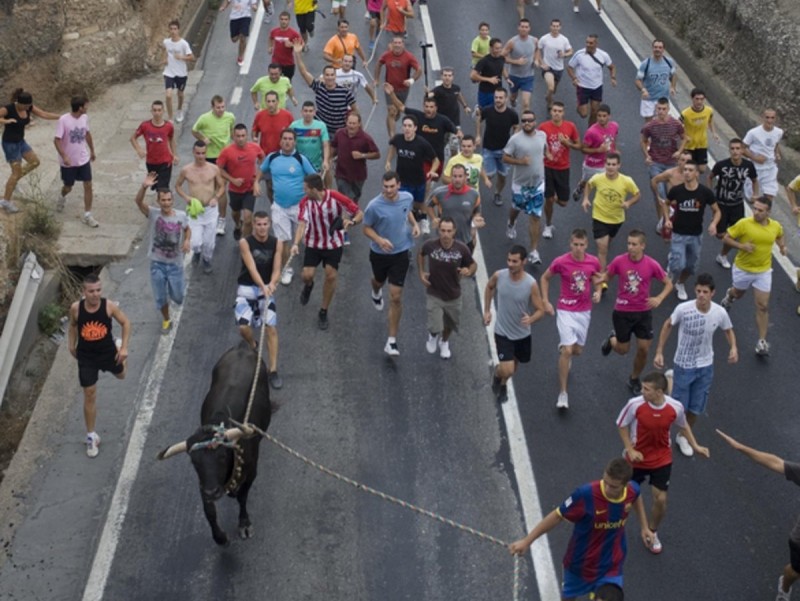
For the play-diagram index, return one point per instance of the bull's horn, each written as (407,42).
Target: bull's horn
(234,434)
(173,450)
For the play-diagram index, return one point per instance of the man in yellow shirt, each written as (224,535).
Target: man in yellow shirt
(274,81)
(754,237)
(698,120)
(614,193)
(304,14)
(472,162)
(342,43)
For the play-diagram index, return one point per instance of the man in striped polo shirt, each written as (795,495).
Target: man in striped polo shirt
(324,215)
(333,101)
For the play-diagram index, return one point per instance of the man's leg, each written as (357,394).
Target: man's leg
(550,82)
(593,116)
(395,308)
(602,250)
(564,360)
(168,94)
(640,359)
(180,101)
(272,348)
(504,371)
(88,196)
(90,406)
(659,507)
(501,183)
(246,332)
(548,210)
(247,222)
(762,312)
(329,287)
(583,110)
(534,230)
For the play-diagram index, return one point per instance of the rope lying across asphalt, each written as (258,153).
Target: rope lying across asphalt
(391,499)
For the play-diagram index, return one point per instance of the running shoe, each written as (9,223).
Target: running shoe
(726,302)
(498,200)
(179,116)
(89,220)
(275,380)
(655,545)
(9,206)
(60,203)
(286,276)
(762,348)
(425,226)
(377,301)
(683,445)
(391,349)
(548,232)
(534,258)
(305,294)
(322,320)
(92,444)
(432,343)
(680,290)
(607,347)
(782,594)
(723,261)
(563,401)
(502,394)
(207,266)
(577,193)
(511,231)
(444,349)
(221,226)
(635,385)
(166,326)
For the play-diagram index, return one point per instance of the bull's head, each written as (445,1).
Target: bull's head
(231,435)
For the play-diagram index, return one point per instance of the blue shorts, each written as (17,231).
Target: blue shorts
(179,83)
(493,162)
(82,173)
(585,95)
(521,84)
(574,586)
(240,27)
(684,254)
(528,199)
(167,281)
(485,99)
(418,192)
(691,387)
(14,151)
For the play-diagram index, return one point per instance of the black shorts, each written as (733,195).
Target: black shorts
(794,555)
(178,83)
(508,350)
(557,73)
(240,27)
(700,155)
(287,71)
(375,14)
(305,22)
(163,173)
(315,256)
(242,200)
(638,323)
(556,183)
(212,160)
(392,267)
(659,476)
(83,173)
(730,215)
(585,95)
(89,368)
(350,189)
(601,229)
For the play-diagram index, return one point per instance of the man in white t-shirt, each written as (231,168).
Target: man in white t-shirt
(351,79)
(75,149)
(694,357)
(553,48)
(241,16)
(585,69)
(763,148)
(178,54)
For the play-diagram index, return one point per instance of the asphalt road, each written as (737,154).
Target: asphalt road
(416,427)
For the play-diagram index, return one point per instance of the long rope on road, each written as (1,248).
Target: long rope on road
(391,499)
(258,364)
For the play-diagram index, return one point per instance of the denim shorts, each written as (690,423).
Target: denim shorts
(493,162)
(691,385)
(167,280)
(14,151)
(684,254)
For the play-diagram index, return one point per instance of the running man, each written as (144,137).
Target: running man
(75,147)
(562,136)
(501,122)
(178,53)
(585,69)
(656,78)
(553,48)
(241,16)
(238,165)
(600,139)
(159,152)
(762,146)
(698,120)
(522,55)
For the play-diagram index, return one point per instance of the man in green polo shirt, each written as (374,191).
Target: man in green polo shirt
(274,81)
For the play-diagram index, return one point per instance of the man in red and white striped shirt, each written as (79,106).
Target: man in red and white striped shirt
(323,219)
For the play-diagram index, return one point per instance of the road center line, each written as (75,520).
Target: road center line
(236,96)
(252,41)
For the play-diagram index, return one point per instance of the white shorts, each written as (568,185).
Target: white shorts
(767,180)
(284,221)
(252,307)
(742,280)
(647,108)
(337,3)
(573,326)
(588,172)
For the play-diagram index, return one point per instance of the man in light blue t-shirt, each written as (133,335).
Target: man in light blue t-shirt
(390,225)
(655,79)
(287,168)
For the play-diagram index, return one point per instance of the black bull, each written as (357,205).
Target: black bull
(213,456)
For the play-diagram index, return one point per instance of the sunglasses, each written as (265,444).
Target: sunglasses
(528,120)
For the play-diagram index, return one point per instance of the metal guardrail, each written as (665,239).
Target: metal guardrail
(17,319)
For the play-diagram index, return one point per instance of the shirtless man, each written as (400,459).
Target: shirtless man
(662,183)
(206,187)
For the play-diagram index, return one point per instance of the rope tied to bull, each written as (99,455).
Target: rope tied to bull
(395,500)
(246,425)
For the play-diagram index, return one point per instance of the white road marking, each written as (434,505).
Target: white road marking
(236,96)
(252,41)
(544,568)
(109,539)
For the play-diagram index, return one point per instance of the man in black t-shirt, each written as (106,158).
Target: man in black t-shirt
(489,73)
(258,279)
(731,174)
(688,202)
(413,153)
(448,97)
(501,123)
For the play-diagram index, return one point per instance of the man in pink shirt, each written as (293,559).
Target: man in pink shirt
(75,148)
(633,309)
(598,141)
(580,273)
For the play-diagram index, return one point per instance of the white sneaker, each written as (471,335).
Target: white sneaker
(92,444)
(444,349)
(377,301)
(723,261)
(534,258)
(563,401)
(432,344)
(548,232)
(179,116)
(762,348)
(782,594)
(425,226)
(8,206)
(221,226)
(680,290)
(511,231)
(684,445)
(391,349)
(655,545)
(89,220)
(575,9)
(287,275)
(62,200)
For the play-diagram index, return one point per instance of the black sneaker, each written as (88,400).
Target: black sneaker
(195,258)
(305,294)
(323,319)
(237,233)
(607,348)
(495,384)
(635,385)
(502,395)
(275,380)
(577,193)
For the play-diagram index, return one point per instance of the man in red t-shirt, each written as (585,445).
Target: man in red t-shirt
(644,424)
(267,127)
(159,140)
(281,45)
(402,70)
(238,164)
(394,14)
(562,136)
